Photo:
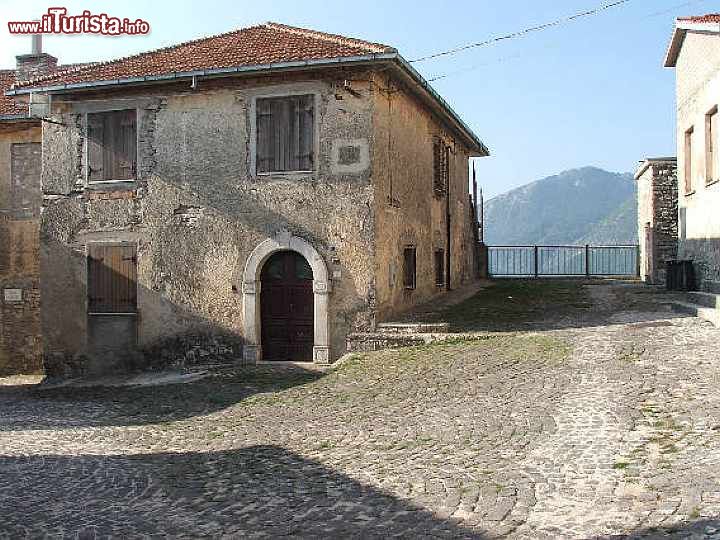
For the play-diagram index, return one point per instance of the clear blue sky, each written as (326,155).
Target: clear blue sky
(592,92)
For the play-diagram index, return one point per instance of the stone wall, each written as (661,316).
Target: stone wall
(197,210)
(658,210)
(20,343)
(407,211)
(698,93)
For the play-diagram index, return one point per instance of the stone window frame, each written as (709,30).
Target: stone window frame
(279,91)
(409,272)
(688,165)
(712,152)
(85,108)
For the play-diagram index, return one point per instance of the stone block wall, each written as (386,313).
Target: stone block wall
(406,208)
(657,217)
(198,210)
(20,340)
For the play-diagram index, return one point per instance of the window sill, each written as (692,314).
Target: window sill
(108,314)
(110,184)
(284,173)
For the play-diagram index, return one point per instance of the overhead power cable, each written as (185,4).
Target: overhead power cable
(520,33)
(516,56)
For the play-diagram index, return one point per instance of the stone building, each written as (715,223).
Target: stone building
(20,150)
(657,217)
(257,194)
(694,52)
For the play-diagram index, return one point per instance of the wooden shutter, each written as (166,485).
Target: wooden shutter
(125,144)
(306,113)
(285,140)
(264,155)
(689,169)
(409,272)
(96,143)
(440,169)
(439,267)
(112,278)
(112,145)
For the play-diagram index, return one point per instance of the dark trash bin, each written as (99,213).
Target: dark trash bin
(680,276)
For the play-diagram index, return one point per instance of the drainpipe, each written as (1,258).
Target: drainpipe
(448,238)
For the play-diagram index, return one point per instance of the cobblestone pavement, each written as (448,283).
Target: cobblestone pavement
(604,422)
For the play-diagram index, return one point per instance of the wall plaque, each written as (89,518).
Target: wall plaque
(12,296)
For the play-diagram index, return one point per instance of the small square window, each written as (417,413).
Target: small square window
(409,268)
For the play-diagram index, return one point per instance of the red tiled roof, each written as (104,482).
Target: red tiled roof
(257,45)
(7,104)
(708,18)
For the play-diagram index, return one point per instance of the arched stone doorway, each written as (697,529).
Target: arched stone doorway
(252,285)
(286,308)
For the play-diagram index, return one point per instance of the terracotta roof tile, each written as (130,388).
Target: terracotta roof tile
(7,104)
(256,45)
(708,18)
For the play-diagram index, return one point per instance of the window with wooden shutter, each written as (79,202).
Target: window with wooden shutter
(285,134)
(112,278)
(112,146)
(439,267)
(688,161)
(711,150)
(409,267)
(440,167)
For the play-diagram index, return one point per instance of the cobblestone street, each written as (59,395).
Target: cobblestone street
(598,420)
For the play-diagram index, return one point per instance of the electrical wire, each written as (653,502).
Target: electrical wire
(521,33)
(516,56)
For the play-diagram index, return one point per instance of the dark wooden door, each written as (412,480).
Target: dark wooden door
(286,303)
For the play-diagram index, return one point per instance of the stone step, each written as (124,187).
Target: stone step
(704,299)
(696,310)
(412,328)
(377,341)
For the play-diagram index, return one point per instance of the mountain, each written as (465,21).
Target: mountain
(576,207)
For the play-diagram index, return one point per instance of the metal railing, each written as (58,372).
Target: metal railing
(563,261)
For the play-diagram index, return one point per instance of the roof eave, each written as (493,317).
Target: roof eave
(15,118)
(218,72)
(673,51)
(649,162)
(476,146)
(678,37)
(474,143)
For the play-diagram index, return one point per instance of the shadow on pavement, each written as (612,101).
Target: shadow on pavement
(28,407)
(259,491)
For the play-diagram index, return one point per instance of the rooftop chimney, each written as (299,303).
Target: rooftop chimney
(37,44)
(35,64)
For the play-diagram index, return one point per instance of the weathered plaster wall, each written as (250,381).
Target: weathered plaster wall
(407,212)
(20,344)
(657,206)
(698,92)
(198,210)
